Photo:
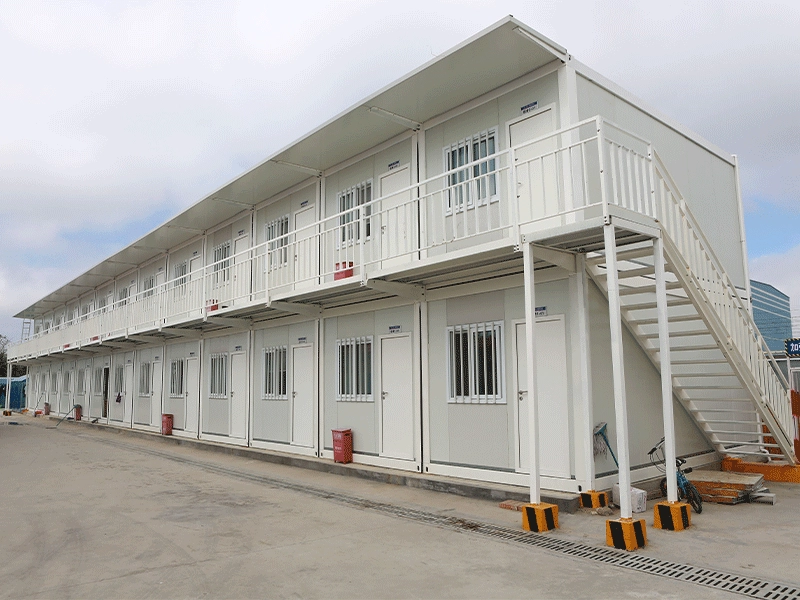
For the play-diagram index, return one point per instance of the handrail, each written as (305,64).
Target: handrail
(743,311)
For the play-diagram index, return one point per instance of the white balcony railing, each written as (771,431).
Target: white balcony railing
(558,179)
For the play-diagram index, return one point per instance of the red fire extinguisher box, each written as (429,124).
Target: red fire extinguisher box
(342,445)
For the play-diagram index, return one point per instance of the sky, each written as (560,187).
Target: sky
(115,116)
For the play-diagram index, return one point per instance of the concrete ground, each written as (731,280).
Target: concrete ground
(90,513)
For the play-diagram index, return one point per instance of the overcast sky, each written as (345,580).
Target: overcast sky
(117,115)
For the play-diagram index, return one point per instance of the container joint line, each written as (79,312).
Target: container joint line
(750,587)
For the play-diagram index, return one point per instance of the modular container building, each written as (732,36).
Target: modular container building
(471,268)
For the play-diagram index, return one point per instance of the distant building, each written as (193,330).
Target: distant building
(772,314)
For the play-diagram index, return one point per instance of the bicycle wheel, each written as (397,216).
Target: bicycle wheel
(694,498)
(663,486)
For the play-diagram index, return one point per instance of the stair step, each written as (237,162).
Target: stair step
(643,305)
(690,348)
(761,454)
(628,273)
(747,443)
(670,319)
(706,387)
(699,361)
(755,433)
(724,410)
(647,289)
(718,399)
(728,374)
(726,421)
(673,334)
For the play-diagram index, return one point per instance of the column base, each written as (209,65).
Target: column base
(673,516)
(539,517)
(626,534)
(593,499)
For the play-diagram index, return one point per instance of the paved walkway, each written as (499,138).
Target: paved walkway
(91,513)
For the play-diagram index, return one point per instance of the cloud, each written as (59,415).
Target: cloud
(124,113)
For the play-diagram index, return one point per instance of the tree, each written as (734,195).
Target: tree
(16,370)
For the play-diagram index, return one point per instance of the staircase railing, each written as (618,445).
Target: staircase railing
(738,330)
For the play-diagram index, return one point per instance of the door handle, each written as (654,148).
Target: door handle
(383,395)
(520,395)
(294,394)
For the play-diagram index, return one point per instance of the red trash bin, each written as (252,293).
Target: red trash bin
(342,445)
(166,424)
(78,412)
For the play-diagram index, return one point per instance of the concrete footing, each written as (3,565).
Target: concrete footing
(539,517)
(626,534)
(594,499)
(673,516)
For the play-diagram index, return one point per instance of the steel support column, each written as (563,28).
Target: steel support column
(530,349)
(618,372)
(584,367)
(666,370)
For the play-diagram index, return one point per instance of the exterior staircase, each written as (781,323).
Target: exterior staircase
(722,371)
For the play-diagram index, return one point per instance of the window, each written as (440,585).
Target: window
(54,382)
(275,373)
(67,383)
(354,371)
(222,263)
(122,296)
(349,222)
(148,285)
(219,376)
(176,378)
(98,381)
(81,382)
(478,181)
(119,379)
(475,363)
(145,380)
(277,243)
(179,277)
(101,304)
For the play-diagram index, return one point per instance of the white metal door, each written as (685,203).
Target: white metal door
(195,285)
(156,396)
(397,215)
(551,373)
(239,395)
(192,405)
(241,270)
(303,395)
(397,398)
(128,387)
(305,251)
(537,168)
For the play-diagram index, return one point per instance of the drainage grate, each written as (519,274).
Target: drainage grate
(738,584)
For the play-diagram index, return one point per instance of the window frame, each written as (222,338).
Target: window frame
(467,370)
(480,180)
(349,202)
(145,379)
(174,371)
(98,381)
(355,376)
(221,263)
(275,373)
(276,234)
(81,381)
(214,373)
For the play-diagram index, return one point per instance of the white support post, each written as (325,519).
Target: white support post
(584,367)
(666,370)
(618,372)
(530,340)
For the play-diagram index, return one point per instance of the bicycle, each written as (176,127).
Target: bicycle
(686,489)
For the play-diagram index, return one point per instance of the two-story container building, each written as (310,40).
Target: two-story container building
(386,272)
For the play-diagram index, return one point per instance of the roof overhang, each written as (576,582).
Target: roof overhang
(501,53)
